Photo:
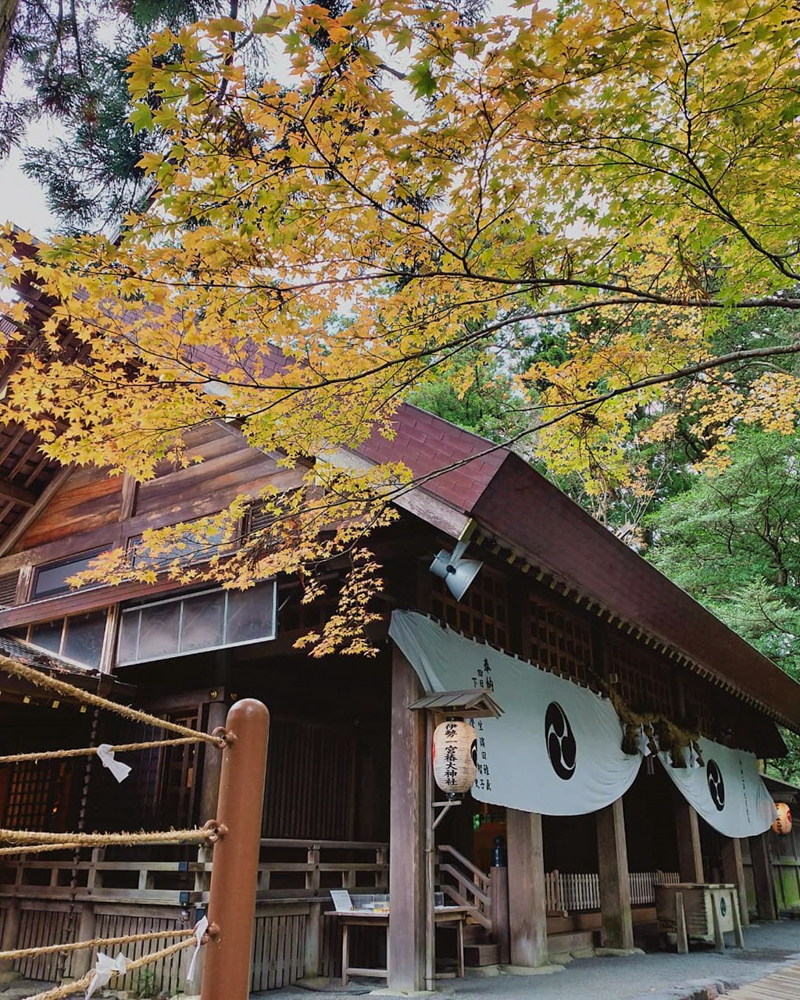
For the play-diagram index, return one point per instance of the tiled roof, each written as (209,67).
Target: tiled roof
(426,444)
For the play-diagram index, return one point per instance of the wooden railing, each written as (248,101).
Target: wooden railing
(465,884)
(288,870)
(573,892)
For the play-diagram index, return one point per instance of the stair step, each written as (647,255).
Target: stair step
(481,954)
(476,934)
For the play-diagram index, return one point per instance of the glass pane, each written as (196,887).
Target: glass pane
(250,613)
(84,639)
(53,579)
(159,633)
(202,621)
(47,635)
(128,637)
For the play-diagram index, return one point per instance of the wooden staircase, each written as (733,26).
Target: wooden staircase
(469,887)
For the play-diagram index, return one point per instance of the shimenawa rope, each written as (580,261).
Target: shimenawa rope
(11,956)
(70,691)
(81,985)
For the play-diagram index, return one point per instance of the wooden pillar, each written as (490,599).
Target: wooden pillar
(733,871)
(406,960)
(10,936)
(527,904)
(82,961)
(763,877)
(687,830)
(500,928)
(212,763)
(615,883)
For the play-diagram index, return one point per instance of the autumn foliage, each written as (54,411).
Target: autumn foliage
(409,184)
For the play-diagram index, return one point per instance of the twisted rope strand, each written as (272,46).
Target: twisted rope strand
(10,956)
(16,758)
(73,989)
(41,679)
(34,843)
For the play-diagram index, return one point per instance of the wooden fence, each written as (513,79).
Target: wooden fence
(105,897)
(577,892)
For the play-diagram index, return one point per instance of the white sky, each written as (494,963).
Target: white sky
(22,201)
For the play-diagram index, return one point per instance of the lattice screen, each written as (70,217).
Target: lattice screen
(560,642)
(37,792)
(645,678)
(483,611)
(8,589)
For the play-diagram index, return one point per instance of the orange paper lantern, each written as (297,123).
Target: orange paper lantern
(783,820)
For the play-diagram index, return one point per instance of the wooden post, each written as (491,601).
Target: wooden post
(763,878)
(406,961)
(232,899)
(314,918)
(527,905)
(84,960)
(733,871)
(10,932)
(680,925)
(212,763)
(615,883)
(687,830)
(500,925)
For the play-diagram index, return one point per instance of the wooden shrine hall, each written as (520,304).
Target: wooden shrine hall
(578,814)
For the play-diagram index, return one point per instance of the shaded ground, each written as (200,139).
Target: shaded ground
(656,976)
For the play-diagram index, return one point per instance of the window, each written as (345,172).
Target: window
(193,545)
(206,620)
(52,579)
(78,638)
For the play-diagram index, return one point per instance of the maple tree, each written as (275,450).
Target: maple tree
(418,184)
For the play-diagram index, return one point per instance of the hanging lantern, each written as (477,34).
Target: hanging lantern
(783,820)
(455,756)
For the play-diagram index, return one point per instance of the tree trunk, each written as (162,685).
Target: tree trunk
(8,13)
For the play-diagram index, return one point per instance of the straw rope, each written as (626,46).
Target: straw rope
(41,679)
(16,758)
(81,985)
(10,956)
(27,842)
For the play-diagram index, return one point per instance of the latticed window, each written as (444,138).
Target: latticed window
(560,642)
(38,795)
(644,677)
(482,613)
(8,589)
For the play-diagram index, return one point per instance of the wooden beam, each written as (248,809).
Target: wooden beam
(10,491)
(527,905)
(687,831)
(406,842)
(33,512)
(615,886)
(733,871)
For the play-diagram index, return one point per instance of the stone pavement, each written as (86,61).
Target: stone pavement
(700,975)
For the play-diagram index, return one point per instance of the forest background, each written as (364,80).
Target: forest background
(641,351)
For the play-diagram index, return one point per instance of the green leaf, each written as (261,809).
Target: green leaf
(422,80)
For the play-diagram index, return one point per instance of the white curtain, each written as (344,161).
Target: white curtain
(727,792)
(556,749)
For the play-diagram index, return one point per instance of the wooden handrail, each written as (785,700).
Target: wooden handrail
(482,877)
(466,884)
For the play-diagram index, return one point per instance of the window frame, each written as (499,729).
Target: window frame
(182,598)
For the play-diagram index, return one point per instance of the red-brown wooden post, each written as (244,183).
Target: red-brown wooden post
(232,897)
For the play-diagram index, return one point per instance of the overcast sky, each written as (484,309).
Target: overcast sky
(22,201)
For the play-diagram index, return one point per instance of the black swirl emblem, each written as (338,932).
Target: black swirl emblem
(473,752)
(561,746)
(723,906)
(716,786)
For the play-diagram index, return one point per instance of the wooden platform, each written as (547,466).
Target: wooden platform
(781,985)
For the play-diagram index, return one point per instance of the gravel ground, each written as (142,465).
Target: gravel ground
(655,976)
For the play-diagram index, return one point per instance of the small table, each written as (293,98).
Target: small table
(443,916)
